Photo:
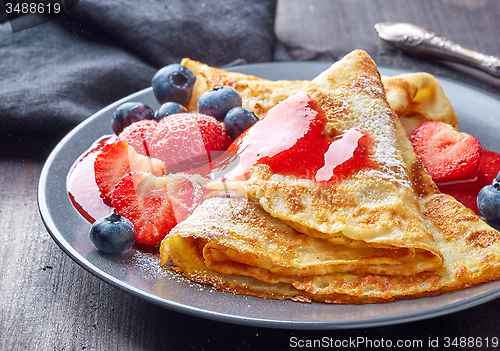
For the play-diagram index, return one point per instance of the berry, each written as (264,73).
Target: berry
(173,83)
(128,113)
(137,133)
(169,108)
(110,165)
(114,161)
(184,194)
(182,141)
(447,154)
(216,102)
(150,211)
(112,234)
(488,202)
(237,120)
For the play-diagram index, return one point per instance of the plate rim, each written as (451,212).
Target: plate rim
(213,315)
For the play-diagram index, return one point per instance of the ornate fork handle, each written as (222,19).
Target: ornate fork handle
(417,40)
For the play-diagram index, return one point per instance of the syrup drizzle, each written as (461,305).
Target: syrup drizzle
(81,186)
(466,192)
(290,139)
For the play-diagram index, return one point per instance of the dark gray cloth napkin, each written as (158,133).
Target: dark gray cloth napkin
(55,75)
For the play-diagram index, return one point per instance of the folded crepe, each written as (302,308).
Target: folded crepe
(417,98)
(329,203)
(414,97)
(257,94)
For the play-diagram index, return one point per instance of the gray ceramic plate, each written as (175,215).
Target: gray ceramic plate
(140,275)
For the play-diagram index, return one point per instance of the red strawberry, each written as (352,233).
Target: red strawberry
(185,195)
(182,141)
(155,204)
(152,214)
(136,133)
(213,134)
(447,154)
(109,167)
(117,159)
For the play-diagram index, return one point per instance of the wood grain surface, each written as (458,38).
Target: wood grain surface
(327,30)
(47,302)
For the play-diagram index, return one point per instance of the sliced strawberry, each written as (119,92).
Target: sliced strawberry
(151,212)
(117,159)
(138,132)
(109,167)
(213,134)
(185,195)
(182,141)
(447,154)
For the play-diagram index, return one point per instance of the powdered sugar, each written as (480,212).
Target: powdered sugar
(376,117)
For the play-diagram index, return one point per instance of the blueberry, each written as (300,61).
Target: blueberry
(169,108)
(112,234)
(174,83)
(237,120)
(488,202)
(216,102)
(128,113)
(498,177)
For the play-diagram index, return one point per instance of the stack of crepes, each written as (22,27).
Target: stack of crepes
(341,212)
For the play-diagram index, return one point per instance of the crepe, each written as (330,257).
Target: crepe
(374,231)
(219,245)
(414,97)
(417,98)
(257,94)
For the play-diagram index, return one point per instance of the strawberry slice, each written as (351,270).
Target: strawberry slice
(185,195)
(117,159)
(150,211)
(156,204)
(137,133)
(109,167)
(447,154)
(183,141)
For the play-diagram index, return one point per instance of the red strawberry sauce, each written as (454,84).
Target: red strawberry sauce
(81,185)
(466,192)
(291,141)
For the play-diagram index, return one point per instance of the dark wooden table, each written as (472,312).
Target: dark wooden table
(48,302)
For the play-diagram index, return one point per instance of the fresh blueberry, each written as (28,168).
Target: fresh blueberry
(498,177)
(112,234)
(128,113)
(216,102)
(237,120)
(488,202)
(169,108)
(174,83)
